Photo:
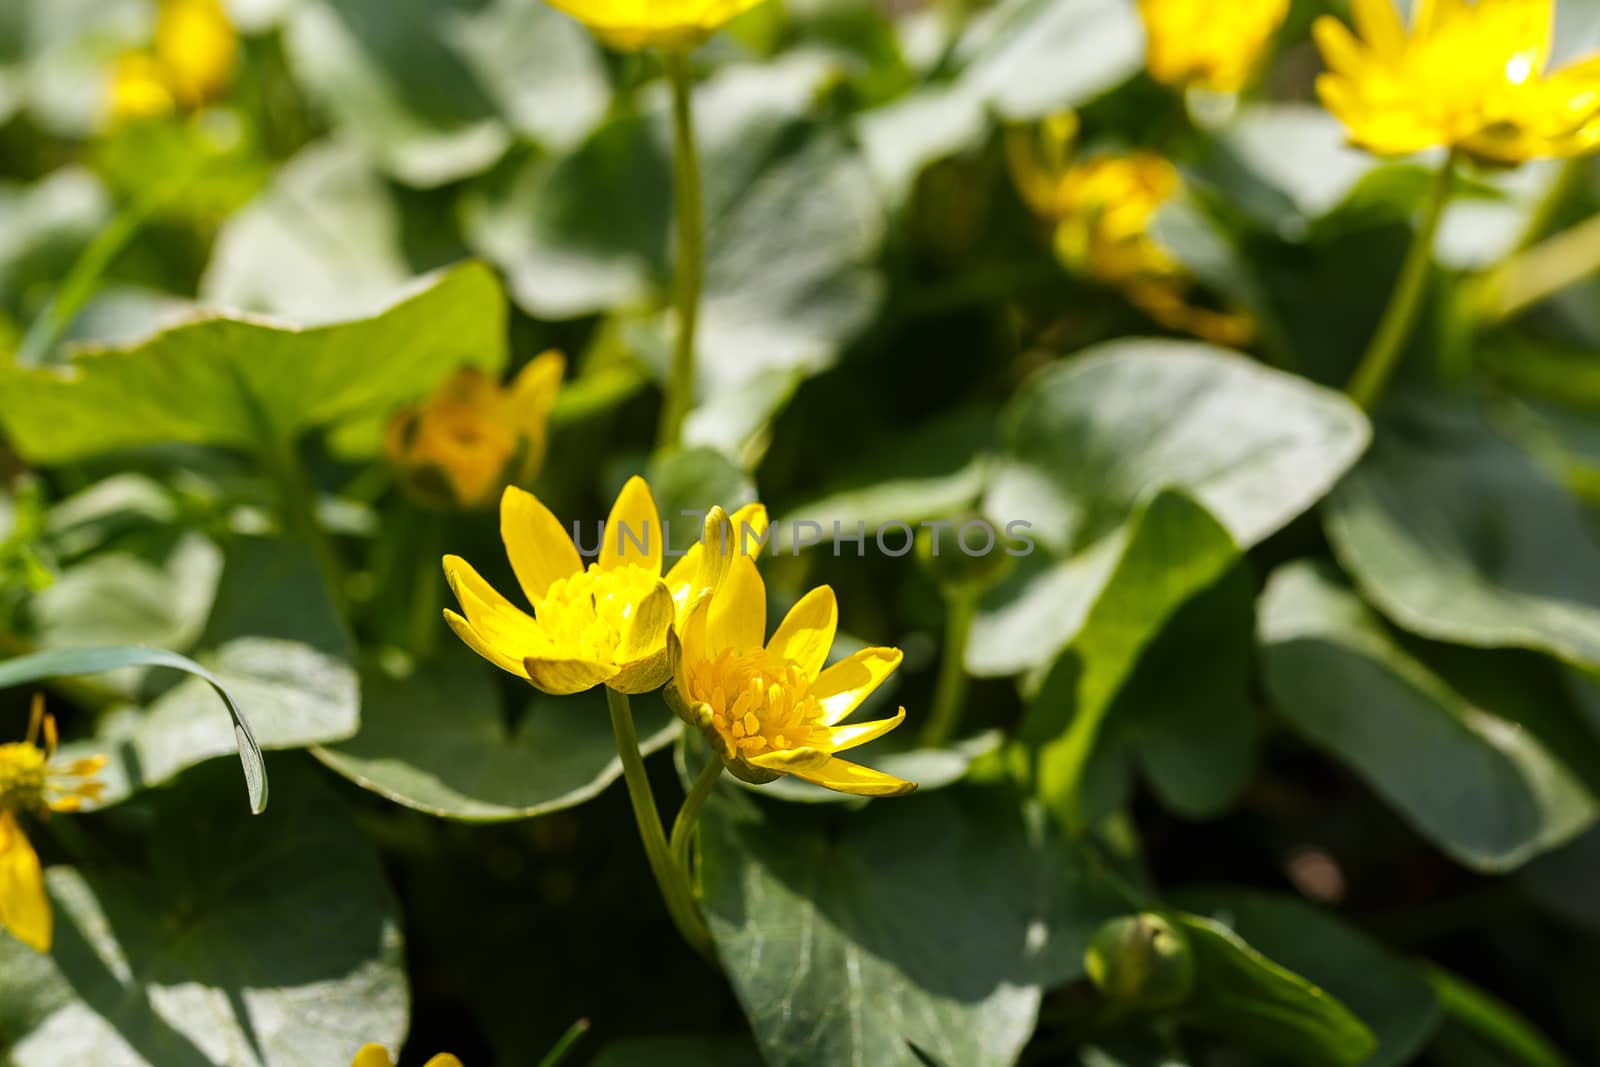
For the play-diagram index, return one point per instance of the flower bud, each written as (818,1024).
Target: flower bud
(1142,960)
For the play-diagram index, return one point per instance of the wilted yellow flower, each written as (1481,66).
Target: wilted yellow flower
(770,708)
(1466,76)
(1208,45)
(31,784)
(189,63)
(378,1056)
(604,624)
(472,438)
(1104,210)
(677,25)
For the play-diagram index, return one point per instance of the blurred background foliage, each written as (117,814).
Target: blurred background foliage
(1341,675)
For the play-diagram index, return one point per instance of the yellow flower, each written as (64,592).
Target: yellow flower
(769,708)
(1466,76)
(604,624)
(189,64)
(1208,45)
(471,438)
(677,25)
(1104,210)
(378,1056)
(31,784)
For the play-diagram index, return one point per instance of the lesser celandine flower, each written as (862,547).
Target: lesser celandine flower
(1104,209)
(189,63)
(605,624)
(1466,76)
(464,444)
(676,25)
(770,707)
(1207,45)
(378,1056)
(31,784)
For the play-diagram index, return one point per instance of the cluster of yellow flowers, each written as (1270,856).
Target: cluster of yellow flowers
(31,783)
(189,63)
(768,707)
(1103,209)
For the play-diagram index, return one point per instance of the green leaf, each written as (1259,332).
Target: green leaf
(1090,438)
(1562,881)
(435,90)
(76,661)
(322,242)
(274,639)
(1185,717)
(793,226)
(1243,994)
(841,940)
(54,57)
(1173,550)
(1496,1023)
(1458,536)
(1390,995)
(272,942)
(1476,781)
(245,382)
(438,741)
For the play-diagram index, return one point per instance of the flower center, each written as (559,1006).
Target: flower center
(585,615)
(759,702)
(22,777)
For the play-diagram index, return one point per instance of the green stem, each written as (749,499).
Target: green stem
(1388,344)
(691,249)
(950,692)
(688,815)
(574,1033)
(669,877)
(82,280)
(298,512)
(428,583)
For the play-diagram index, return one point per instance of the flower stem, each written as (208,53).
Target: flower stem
(950,692)
(688,815)
(297,500)
(1388,344)
(669,877)
(691,250)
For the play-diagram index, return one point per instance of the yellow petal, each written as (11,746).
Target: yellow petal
(443,1059)
(24,904)
(790,760)
(842,776)
(806,633)
(842,687)
(642,653)
(701,569)
(1341,52)
(633,530)
(563,677)
(533,392)
(1379,24)
(737,619)
(643,676)
(373,1056)
(844,738)
(475,641)
(540,549)
(497,621)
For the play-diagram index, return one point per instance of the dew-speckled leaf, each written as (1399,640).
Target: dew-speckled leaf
(246,382)
(1457,535)
(841,950)
(1477,782)
(268,942)
(438,741)
(1088,439)
(1391,995)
